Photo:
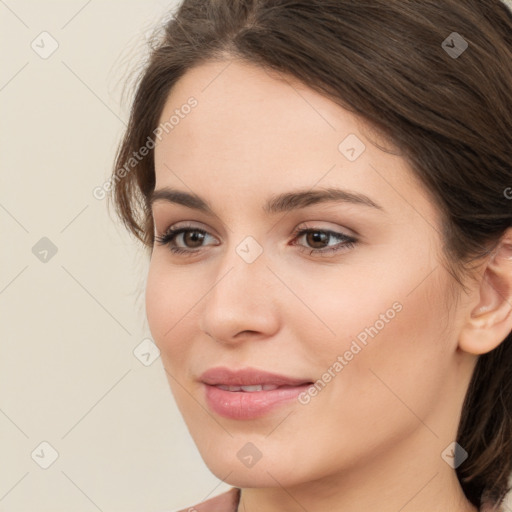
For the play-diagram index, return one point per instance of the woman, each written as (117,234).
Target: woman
(324,188)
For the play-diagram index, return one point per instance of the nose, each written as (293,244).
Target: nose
(242,303)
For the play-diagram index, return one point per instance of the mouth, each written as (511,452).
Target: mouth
(247,378)
(249,393)
(256,387)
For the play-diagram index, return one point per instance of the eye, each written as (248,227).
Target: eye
(188,234)
(318,238)
(192,239)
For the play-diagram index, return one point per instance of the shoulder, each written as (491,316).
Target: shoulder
(225,502)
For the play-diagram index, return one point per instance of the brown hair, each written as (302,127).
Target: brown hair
(449,115)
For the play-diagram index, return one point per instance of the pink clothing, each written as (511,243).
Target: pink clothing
(229,500)
(225,502)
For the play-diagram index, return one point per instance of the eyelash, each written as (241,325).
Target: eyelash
(347,242)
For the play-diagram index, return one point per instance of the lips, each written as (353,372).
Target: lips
(249,393)
(248,377)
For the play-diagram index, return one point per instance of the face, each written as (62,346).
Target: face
(357,305)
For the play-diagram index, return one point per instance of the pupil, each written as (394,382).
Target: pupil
(195,236)
(317,237)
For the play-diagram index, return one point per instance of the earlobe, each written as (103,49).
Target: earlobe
(490,321)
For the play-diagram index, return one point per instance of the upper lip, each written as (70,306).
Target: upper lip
(222,375)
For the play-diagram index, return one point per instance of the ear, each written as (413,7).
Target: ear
(490,321)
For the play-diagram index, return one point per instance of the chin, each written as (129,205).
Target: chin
(264,473)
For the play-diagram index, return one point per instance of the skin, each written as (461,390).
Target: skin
(372,438)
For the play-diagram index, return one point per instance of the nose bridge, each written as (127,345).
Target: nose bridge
(244,264)
(240,298)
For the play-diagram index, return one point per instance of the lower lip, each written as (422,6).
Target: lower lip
(244,405)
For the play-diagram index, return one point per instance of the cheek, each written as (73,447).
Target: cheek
(166,307)
(400,374)
(395,302)
(173,307)
(158,302)
(389,329)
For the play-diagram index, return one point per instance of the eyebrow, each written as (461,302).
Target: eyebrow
(280,203)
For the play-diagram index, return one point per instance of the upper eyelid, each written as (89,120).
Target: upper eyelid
(310,224)
(319,207)
(299,231)
(345,242)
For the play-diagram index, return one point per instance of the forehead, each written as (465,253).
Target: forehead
(257,131)
(253,106)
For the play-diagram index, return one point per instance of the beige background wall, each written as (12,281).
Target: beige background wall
(69,325)
(71,321)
